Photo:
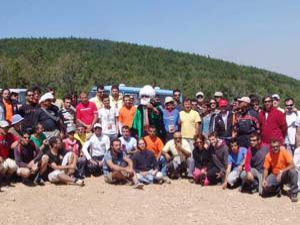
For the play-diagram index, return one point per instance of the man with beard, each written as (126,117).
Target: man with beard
(148,113)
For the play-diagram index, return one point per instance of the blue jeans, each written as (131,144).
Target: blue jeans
(162,162)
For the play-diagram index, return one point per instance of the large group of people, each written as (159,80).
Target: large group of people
(208,141)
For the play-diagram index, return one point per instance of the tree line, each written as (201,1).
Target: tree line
(73,64)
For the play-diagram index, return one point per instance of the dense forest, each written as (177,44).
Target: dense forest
(72,64)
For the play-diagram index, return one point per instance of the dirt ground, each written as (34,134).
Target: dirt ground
(176,203)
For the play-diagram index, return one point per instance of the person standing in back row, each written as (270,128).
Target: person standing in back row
(273,123)
(86,112)
(190,122)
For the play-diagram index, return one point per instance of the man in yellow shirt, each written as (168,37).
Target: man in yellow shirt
(190,122)
(98,100)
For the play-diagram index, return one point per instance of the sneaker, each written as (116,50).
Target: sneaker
(38,180)
(279,194)
(294,198)
(166,180)
(138,186)
(78,182)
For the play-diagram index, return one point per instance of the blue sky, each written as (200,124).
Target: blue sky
(262,33)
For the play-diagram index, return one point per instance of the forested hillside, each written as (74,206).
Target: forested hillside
(71,64)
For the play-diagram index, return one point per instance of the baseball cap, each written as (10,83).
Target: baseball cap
(4,124)
(47,96)
(218,94)
(199,93)
(244,99)
(276,96)
(169,99)
(16,119)
(97,125)
(223,103)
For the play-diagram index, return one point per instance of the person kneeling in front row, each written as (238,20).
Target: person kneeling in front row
(283,172)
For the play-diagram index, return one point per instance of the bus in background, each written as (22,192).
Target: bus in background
(161,94)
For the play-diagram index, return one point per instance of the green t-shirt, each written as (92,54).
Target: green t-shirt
(38,141)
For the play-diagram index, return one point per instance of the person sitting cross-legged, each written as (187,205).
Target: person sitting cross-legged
(61,167)
(236,161)
(145,164)
(282,167)
(118,168)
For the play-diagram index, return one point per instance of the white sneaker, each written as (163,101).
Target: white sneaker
(138,186)
(78,182)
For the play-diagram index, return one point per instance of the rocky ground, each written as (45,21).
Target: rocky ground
(176,203)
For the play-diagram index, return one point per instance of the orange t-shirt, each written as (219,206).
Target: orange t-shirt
(126,115)
(155,146)
(278,161)
(8,111)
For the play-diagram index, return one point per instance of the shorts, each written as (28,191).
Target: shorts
(8,165)
(53,177)
(110,180)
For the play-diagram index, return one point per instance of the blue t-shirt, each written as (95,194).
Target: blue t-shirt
(236,159)
(116,160)
(171,120)
(205,124)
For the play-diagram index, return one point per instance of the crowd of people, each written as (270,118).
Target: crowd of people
(250,144)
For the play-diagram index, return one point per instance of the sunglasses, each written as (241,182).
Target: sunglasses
(267,101)
(289,105)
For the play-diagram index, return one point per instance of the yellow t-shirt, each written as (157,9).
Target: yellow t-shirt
(98,103)
(188,123)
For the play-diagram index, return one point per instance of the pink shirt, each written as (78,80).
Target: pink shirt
(86,113)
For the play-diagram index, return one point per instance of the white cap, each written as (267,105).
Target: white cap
(169,99)
(4,123)
(276,96)
(218,94)
(47,96)
(244,99)
(199,93)
(16,119)
(97,125)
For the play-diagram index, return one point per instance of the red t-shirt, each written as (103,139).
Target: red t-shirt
(5,144)
(86,113)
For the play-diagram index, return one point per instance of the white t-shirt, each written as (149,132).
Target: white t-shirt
(293,121)
(96,146)
(128,145)
(108,119)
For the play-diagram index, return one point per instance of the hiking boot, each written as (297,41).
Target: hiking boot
(294,198)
